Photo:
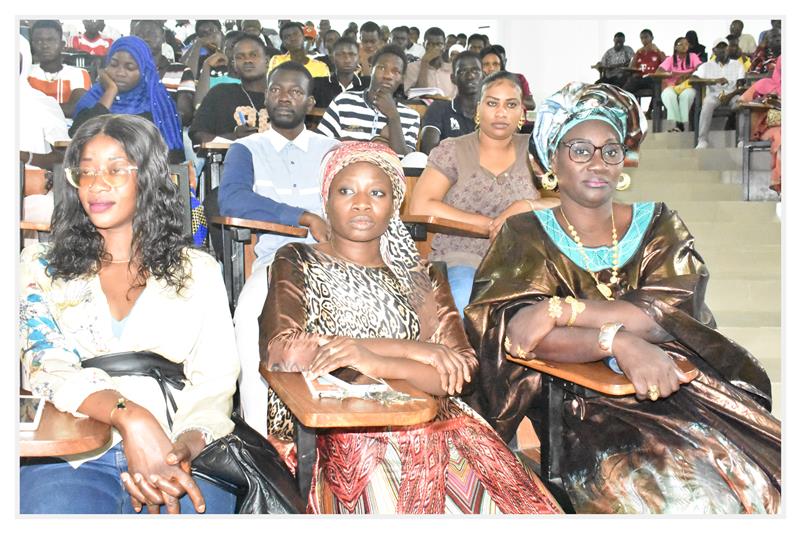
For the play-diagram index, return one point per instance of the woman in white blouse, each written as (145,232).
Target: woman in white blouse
(120,275)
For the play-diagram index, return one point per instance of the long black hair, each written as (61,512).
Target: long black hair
(158,240)
(686,59)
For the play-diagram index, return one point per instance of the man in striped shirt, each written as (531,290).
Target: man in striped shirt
(374,113)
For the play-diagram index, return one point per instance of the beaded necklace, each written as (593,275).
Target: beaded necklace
(604,288)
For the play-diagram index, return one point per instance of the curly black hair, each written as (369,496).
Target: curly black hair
(159,238)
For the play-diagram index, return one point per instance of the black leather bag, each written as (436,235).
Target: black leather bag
(246,461)
(242,462)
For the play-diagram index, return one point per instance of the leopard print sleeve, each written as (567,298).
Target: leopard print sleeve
(285,343)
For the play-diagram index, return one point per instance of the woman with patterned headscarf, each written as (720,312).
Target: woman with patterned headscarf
(596,279)
(129,84)
(365,300)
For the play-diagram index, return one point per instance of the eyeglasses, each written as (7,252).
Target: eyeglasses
(583,151)
(114,177)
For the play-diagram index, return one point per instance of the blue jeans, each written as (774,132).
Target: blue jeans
(460,278)
(52,486)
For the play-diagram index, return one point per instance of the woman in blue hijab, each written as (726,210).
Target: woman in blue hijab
(129,84)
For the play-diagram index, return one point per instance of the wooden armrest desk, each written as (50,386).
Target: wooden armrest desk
(448,226)
(421,228)
(61,433)
(658,75)
(238,252)
(311,414)
(34,226)
(258,225)
(215,155)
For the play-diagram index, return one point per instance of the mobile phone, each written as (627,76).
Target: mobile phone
(351,376)
(611,362)
(345,383)
(30,412)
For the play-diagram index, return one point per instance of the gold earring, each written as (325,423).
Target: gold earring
(477,120)
(549,181)
(624,181)
(521,122)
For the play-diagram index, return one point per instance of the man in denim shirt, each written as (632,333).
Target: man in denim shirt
(274,177)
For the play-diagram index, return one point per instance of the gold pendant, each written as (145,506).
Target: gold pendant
(605,291)
(613,279)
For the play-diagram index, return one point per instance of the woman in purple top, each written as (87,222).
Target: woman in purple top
(676,94)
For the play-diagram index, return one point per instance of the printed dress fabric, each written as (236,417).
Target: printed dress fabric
(711,447)
(453,464)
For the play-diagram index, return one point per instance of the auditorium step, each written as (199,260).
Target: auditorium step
(664,139)
(750,261)
(739,241)
(757,295)
(691,211)
(668,191)
(679,159)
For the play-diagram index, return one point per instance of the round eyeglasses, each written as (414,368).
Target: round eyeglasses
(114,177)
(583,151)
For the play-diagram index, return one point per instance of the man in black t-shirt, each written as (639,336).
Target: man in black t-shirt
(343,77)
(445,118)
(215,116)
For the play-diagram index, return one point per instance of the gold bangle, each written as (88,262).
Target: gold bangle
(577,308)
(554,307)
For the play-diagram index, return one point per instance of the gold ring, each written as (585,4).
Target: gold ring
(653,392)
(521,353)
(507,345)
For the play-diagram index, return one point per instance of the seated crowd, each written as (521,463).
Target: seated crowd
(321,129)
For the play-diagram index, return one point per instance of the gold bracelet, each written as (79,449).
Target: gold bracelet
(577,308)
(121,404)
(554,307)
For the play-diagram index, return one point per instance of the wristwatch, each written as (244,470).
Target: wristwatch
(606,337)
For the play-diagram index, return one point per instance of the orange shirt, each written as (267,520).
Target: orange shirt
(59,84)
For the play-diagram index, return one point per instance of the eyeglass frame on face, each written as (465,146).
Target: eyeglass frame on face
(102,173)
(572,156)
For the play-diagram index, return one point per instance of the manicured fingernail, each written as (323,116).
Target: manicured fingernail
(201,508)
(138,477)
(153,478)
(125,477)
(171,457)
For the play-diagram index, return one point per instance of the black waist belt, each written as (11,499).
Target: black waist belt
(150,364)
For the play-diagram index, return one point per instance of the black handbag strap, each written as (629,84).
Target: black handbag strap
(144,363)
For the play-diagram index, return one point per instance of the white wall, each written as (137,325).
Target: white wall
(552,51)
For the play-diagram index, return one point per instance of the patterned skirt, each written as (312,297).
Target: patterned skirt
(455,464)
